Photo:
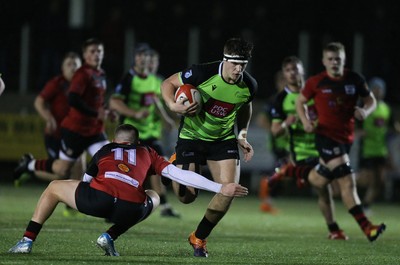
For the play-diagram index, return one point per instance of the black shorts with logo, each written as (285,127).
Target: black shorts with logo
(198,151)
(53,146)
(329,149)
(73,144)
(100,204)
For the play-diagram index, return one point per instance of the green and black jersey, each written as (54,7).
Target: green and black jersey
(138,94)
(221,101)
(302,144)
(375,127)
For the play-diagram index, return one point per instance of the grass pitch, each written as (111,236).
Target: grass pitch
(296,235)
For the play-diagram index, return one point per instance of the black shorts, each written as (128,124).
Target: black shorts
(329,149)
(310,161)
(73,144)
(373,162)
(53,146)
(100,204)
(198,151)
(155,144)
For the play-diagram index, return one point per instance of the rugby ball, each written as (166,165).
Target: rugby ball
(189,94)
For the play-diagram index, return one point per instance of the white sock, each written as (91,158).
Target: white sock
(31,165)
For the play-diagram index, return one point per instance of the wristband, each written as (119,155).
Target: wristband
(363,113)
(242,134)
(283,125)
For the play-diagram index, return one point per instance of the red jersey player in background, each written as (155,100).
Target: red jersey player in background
(112,188)
(52,106)
(336,92)
(83,127)
(52,103)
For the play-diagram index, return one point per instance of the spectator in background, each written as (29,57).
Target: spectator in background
(137,100)
(374,152)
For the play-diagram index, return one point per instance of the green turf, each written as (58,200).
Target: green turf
(297,235)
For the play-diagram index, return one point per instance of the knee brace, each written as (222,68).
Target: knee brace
(342,170)
(324,171)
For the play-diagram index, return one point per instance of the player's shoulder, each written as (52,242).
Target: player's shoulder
(250,81)
(354,76)
(206,69)
(198,73)
(281,95)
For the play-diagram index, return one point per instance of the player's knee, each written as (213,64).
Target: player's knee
(324,171)
(62,168)
(155,198)
(220,203)
(342,170)
(185,194)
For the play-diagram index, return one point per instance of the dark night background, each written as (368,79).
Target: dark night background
(273,26)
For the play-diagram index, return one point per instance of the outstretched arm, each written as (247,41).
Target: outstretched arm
(195,180)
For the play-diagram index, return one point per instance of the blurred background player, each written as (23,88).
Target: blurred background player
(336,92)
(112,188)
(137,100)
(374,152)
(303,154)
(208,137)
(83,127)
(52,106)
(278,146)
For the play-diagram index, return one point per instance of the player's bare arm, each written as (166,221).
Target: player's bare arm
(301,111)
(243,122)
(168,88)
(369,105)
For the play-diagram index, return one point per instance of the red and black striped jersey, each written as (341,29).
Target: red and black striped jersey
(120,170)
(335,100)
(90,85)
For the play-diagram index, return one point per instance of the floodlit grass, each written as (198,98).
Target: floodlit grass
(297,235)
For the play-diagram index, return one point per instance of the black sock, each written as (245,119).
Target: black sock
(333,227)
(116,230)
(163,199)
(204,228)
(32,230)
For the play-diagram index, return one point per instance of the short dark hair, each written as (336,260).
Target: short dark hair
(291,59)
(142,47)
(238,46)
(127,128)
(72,55)
(91,41)
(334,47)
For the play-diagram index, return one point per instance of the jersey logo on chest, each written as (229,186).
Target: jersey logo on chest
(218,108)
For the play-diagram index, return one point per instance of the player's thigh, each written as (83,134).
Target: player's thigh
(317,180)
(224,171)
(64,190)
(62,167)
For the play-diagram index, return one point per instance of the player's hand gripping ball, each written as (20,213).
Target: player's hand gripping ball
(189,94)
